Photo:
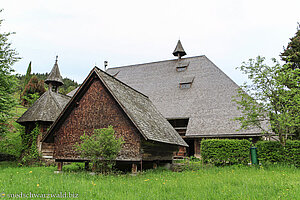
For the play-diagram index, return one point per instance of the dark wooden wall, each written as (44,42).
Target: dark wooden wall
(152,151)
(95,108)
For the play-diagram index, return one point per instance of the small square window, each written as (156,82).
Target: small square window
(186,82)
(185,85)
(181,69)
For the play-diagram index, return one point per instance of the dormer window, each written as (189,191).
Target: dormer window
(186,83)
(115,74)
(182,67)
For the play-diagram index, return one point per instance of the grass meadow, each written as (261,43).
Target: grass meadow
(243,182)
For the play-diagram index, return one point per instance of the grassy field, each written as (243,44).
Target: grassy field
(208,183)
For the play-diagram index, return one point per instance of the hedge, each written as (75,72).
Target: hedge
(221,152)
(274,152)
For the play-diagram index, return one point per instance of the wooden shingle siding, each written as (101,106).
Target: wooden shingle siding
(96,109)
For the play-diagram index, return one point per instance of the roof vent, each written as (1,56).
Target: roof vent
(182,67)
(186,82)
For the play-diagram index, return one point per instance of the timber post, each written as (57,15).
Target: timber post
(59,166)
(86,166)
(134,168)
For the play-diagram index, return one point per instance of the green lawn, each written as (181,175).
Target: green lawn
(208,183)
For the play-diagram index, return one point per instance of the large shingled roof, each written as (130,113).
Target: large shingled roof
(207,103)
(148,120)
(46,108)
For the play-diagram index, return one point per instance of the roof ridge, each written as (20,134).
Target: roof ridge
(122,82)
(63,95)
(55,100)
(155,62)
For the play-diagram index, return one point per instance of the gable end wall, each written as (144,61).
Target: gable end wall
(94,110)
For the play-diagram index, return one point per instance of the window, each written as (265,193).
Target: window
(115,74)
(181,67)
(180,125)
(186,82)
(185,85)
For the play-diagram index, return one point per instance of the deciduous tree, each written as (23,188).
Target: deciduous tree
(266,97)
(8,56)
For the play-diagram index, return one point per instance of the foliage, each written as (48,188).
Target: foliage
(29,145)
(30,99)
(291,54)
(8,57)
(27,76)
(274,182)
(33,90)
(11,143)
(67,87)
(267,98)
(274,152)
(101,148)
(225,152)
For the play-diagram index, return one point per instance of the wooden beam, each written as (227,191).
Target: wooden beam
(134,168)
(59,166)
(154,165)
(86,166)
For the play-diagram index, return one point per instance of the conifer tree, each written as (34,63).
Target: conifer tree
(28,75)
(291,53)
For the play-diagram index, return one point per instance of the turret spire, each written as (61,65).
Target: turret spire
(179,51)
(54,79)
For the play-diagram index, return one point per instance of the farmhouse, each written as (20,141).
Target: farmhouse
(103,100)
(193,94)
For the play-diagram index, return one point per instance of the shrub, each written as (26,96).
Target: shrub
(29,141)
(11,143)
(222,152)
(101,148)
(274,152)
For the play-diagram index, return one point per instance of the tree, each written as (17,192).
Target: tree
(33,90)
(8,57)
(268,98)
(101,148)
(291,54)
(28,75)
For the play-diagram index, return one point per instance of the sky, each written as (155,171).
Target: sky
(87,33)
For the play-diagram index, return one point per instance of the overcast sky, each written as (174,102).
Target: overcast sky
(125,32)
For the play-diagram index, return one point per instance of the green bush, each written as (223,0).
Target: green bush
(102,148)
(11,144)
(222,152)
(274,152)
(30,154)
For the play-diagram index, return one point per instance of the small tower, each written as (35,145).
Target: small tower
(179,51)
(54,79)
